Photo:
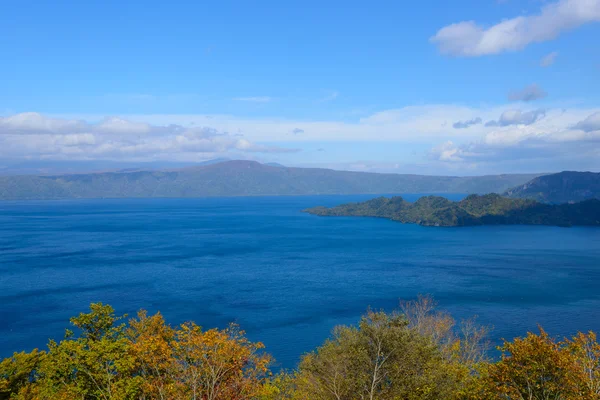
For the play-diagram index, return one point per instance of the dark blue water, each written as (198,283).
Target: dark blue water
(285,276)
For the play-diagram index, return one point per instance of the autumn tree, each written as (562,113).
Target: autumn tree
(19,373)
(103,358)
(382,358)
(152,345)
(93,363)
(536,368)
(463,346)
(466,342)
(418,353)
(586,350)
(189,363)
(219,364)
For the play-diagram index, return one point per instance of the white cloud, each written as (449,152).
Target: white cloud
(35,135)
(119,125)
(32,122)
(528,93)
(469,39)
(517,117)
(562,135)
(412,123)
(590,124)
(548,59)
(447,151)
(423,124)
(552,142)
(467,124)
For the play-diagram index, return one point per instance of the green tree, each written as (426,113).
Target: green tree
(96,364)
(19,373)
(382,358)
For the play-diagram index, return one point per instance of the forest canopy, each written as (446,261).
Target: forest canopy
(489,209)
(416,352)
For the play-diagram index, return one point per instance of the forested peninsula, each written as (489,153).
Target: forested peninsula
(489,209)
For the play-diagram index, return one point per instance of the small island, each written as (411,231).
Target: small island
(489,209)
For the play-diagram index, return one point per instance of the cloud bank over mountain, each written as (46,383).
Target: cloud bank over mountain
(533,136)
(31,134)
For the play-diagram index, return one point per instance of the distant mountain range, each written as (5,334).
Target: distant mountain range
(242,178)
(58,167)
(564,187)
(490,209)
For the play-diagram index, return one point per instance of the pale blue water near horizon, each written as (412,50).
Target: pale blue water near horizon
(286,277)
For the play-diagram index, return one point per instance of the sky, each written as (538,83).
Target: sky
(467,87)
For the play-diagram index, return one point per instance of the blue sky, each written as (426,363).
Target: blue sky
(382,86)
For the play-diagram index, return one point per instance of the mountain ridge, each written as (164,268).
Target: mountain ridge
(562,187)
(242,178)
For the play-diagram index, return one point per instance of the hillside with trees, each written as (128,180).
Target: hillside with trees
(417,352)
(489,209)
(241,178)
(564,187)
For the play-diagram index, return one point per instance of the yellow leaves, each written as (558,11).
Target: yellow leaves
(421,354)
(187,361)
(145,359)
(17,371)
(586,350)
(538,366)
(455,346)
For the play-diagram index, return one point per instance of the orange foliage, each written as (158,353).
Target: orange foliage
(188,363)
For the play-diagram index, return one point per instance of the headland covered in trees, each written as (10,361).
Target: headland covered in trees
(418,352)
(490,209)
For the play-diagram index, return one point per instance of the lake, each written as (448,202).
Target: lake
(286,277)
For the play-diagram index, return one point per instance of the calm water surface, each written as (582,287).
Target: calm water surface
(285,276)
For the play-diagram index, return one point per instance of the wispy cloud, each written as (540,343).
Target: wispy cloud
(466,124)
(469,39)
(173,137)
(330,97)
(517,117)
(256,99)
(29,135)
(558,144)
(548,59)
(297,131)
(590,124)
(528,93)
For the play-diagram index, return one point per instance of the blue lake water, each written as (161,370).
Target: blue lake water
(286,277)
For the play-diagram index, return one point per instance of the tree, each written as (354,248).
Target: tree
(219,364)
(586,350)
(536,368)
(463,346)
(189,363)
(382,358)
(152,344)
(18,374)
(468,344)
(97,364)
(147,359)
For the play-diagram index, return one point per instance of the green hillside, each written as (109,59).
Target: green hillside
(489,209)
(241,178)
(564,187)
